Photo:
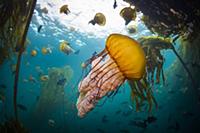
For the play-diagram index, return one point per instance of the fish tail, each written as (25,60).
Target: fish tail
(92,22)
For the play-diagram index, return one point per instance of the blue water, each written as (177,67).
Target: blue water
(171,106)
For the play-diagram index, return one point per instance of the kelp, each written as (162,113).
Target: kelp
(141,92)
(13,14)
(15,19)
(152,46)
(52,94)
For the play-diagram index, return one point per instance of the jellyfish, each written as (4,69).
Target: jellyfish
(65,47)
(99,19)
(64,9)
(33,53)
(122,59)
(128,14)
(132,29)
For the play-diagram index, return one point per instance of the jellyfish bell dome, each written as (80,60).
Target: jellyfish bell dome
(128,55)
(122,59)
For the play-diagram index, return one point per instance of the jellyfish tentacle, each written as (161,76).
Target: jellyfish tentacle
(100,69)
(103,54)
(99,74)
(89,61)
(103,80)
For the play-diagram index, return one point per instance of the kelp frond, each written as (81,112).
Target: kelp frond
(141,92)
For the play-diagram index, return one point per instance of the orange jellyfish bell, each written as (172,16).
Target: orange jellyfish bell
(122,59)
(128,55)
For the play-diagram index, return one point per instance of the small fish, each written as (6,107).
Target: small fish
(39,28)
(61,82)
(77,52)
(124,131)
(187,114)
(51,123)
(2,97)
(94,54)
(184,89)
(175,127)
(104,119)
(127,113)
(115,4)
(125,102)
(140,124)
(32,79)
(195,65)
(3,86)
(22,107)
(178,76)
(118,112)
(37,98)
(100,130)
(171,91)
(150,119)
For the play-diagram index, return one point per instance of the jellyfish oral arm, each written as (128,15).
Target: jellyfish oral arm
(104,77)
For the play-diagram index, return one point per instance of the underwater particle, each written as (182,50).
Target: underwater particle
(132,29)
(33,53)
(128,14)
(44,78)
(65,47)
(99,19)
(64,9)
(51,123)
(122,59)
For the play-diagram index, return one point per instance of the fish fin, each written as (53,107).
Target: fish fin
(77,52)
